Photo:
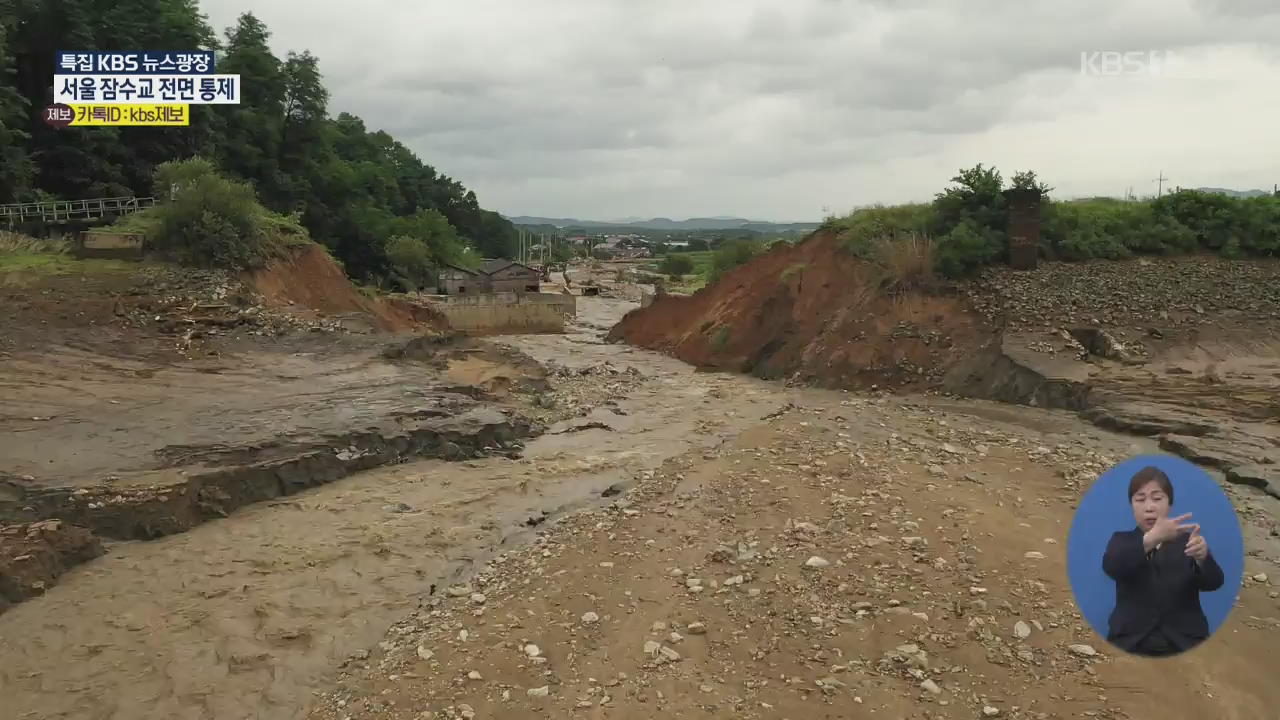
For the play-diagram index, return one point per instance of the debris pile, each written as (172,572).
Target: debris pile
(1135,297)
(576,392)
(200,304)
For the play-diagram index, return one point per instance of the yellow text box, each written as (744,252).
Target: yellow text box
(131,115)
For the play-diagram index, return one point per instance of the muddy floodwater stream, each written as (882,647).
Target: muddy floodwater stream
(248,616)
(252,616)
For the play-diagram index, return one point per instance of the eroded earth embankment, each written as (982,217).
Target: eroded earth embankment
(1186,350)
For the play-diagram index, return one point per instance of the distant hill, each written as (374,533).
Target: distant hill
(708,223)
(1235,193)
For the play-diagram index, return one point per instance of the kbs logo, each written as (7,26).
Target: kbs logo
(1151,63)
(115,63)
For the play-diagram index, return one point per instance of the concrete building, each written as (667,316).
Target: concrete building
(493,276)
(456,280)
(510,276)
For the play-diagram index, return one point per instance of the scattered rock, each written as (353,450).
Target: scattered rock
(1263,477)
(1021,630)
(816,562)
(1083,650)
(543,691)
(590,618)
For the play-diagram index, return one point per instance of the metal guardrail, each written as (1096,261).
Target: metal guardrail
(62,210)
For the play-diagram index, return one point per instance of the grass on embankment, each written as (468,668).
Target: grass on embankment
(23,256)
(690,282)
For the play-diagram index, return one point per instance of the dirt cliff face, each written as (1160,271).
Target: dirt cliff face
(310,281)
(813,312)
(1183,349)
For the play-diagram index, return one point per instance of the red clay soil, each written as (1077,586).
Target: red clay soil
(814,312)
(311,280)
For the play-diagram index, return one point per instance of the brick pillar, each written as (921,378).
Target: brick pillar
(1024,228)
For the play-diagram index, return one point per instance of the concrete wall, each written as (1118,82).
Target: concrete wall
(514,285)
(506,313)
(109,245)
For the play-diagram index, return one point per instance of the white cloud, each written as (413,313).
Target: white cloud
(605,108)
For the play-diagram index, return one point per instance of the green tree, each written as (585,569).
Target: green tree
(16,169)
(966,248)
(731,254)
(975,196)
(411,262)
(210,220)
(433,229)
(1027,180)
(251,131)
(675,265)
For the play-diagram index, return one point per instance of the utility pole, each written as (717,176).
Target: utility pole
(1160,186)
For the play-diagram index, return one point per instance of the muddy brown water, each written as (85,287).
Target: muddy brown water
(246,617)
(249,616)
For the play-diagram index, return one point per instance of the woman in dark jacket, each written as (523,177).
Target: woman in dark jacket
(1160,568)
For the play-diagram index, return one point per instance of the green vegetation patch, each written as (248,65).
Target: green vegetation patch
(965,227)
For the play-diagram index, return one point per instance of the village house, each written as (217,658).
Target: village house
(457,280)
(510,276)
(492,276)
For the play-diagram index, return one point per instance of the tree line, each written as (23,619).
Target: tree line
(966,224)
(358,191)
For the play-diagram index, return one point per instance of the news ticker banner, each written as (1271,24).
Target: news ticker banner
(136,88)
(150,62)
(61,116)
(158,89)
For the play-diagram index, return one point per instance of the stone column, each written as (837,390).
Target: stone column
(1024,228)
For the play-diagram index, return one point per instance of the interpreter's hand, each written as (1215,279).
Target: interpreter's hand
(1197,547)
(1167,528)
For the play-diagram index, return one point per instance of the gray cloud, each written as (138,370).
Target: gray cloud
(765,108)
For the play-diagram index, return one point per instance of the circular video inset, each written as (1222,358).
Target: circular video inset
(1155,556)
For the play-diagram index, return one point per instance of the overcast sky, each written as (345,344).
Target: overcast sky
(791,109)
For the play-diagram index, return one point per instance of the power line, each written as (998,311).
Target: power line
(1160,186)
